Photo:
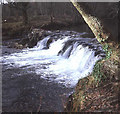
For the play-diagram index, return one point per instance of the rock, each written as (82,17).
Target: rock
(16,45)
(97,53)
(49,42)
(33,37)
(24,41)
(26,45)
(20,46)
(84,44)
(87,35)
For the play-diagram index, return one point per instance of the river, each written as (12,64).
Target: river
(41,78)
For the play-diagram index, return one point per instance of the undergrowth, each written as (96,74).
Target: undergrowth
(108,51)
(97,73)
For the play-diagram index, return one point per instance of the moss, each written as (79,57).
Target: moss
(97,73)
(107,50)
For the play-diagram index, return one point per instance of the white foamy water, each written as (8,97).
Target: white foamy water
(46,63)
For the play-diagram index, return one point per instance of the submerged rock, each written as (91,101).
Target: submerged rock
(74,39)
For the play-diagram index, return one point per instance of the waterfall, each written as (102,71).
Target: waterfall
(63,60)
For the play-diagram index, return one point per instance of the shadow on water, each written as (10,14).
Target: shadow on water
(26,92)
(29,86)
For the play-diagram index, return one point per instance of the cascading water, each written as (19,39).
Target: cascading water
(63,60)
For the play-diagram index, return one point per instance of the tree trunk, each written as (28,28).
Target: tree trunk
(94,23)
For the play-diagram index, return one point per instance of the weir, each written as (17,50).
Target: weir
(61,57)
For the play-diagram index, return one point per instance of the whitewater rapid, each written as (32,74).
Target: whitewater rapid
(57,63)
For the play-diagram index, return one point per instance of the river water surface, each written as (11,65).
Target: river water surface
(42,77)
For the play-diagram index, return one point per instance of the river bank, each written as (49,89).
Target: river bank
(99,92)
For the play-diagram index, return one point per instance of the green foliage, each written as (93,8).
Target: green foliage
(107,50)
(98,75)
(97,71)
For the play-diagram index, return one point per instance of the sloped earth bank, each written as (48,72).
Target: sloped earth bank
(99,92)
(41,77)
